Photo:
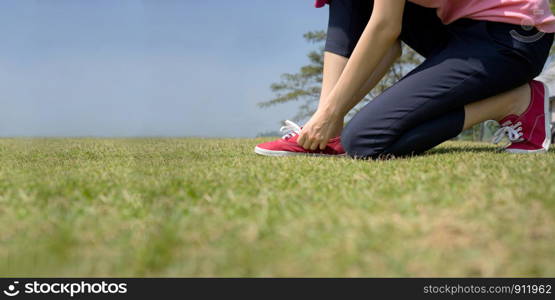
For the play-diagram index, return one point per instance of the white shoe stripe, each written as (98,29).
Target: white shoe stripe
(266,152)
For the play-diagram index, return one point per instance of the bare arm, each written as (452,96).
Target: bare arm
(378,38)
(335,64)
(391,56)
(333,67)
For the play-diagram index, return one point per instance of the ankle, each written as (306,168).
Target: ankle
(519,103)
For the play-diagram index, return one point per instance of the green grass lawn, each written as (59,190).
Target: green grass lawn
(196,207)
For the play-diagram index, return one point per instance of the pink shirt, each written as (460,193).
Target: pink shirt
(521,12)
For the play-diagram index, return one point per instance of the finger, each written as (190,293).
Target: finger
(304,141)
(308,144)
(323,145)
(301,140)
(314,145)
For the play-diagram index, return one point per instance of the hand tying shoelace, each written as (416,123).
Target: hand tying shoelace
(288,146)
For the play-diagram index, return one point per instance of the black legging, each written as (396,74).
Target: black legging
(466,61)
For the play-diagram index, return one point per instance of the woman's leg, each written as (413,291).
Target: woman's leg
(427,107)
(513,102)
(432,133)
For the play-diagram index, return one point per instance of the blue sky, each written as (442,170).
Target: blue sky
(148,67)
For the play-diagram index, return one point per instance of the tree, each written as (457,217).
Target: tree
(305,85)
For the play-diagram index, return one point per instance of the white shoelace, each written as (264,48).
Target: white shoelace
(512,131)
(290,129)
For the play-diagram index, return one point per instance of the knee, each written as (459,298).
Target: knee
(347,141)
(360,146)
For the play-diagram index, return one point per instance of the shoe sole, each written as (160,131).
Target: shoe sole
(517,151)
(547,141)
(546,110)
(265,152)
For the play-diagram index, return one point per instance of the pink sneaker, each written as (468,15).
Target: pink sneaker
(529,133)
(287,146)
